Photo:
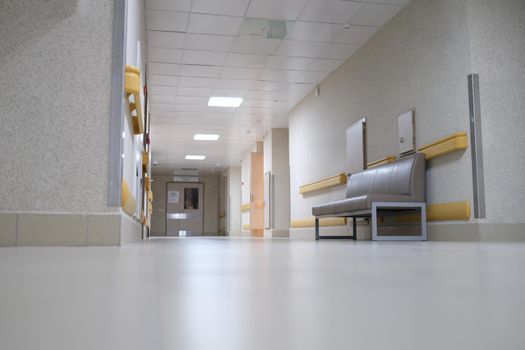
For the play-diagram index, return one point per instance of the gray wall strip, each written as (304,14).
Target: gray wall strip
(116,117)
(476,146)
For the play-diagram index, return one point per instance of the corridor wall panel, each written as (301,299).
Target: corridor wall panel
(55,69)
(421,59)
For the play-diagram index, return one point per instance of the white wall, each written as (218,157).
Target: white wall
(234,201)
(420,59)
(246,171)
(276,162)
(211,204)
(55,69)
(498,56)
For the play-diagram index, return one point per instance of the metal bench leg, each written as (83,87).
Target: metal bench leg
(316,229)
(423,222)
(354,225)
(374,222)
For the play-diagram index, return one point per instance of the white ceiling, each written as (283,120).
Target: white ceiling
(196,50)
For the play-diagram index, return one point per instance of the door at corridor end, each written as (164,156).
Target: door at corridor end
(185,209)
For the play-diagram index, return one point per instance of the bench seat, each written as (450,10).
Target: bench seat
(358,203)
(400,184)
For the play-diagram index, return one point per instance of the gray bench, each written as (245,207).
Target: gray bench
(398,185)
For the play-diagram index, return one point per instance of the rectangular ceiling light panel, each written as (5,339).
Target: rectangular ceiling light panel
(206,137)
(224,101)
(194,157)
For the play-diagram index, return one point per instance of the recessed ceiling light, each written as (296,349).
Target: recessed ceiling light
(206,137)
(224,101)
(194,157)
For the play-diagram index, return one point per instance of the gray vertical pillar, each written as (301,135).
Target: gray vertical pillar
(117,103)
(476,146)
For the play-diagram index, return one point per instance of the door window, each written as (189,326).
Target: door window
(191,198)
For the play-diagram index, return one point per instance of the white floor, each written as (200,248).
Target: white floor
(213,293)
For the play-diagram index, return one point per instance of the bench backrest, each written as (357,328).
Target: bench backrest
(405,176)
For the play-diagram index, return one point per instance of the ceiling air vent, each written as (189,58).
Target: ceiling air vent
(265,28)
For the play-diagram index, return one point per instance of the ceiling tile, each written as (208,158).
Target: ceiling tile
(324,65)
(220,7)
(163,68)
(162,90)
(197,82)
(154,98)
(192,100)
(165,39)
(156,54)
(287,62)
(240,73)
(191,91)
(265,103)
(269,86)
(208,42)
(229,92)
(177,108)
(357,35)
(212,58)
(375,14)
(263,95)
(311,77)
(167,80)
(338,51)
(276,9)
(331,11)
(246,60)
(311,31)
(166,20)
(209,24)
(300,48)
(199,71)
(255,45)
(239,84)
(279,75)
(169,5)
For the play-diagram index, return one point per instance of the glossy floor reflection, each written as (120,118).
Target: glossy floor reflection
(212,293)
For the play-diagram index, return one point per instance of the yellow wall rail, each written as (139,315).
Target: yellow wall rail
(129,204)
(147,183)
(448,211)
(336,180)
(388,159)
(310,222)
(246,227)
(145,160)
(452,211)
(245,207)
(452,143)
(133,87)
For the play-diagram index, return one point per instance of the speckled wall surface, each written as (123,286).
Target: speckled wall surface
(55,73)
(420,59)
(498,56)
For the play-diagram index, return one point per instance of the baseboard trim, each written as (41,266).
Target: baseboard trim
(68,229)
(458,232)
(477,232)
(276,233)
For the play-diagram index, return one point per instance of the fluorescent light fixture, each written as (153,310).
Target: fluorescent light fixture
(206,137)
(194,157)
(224,101)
